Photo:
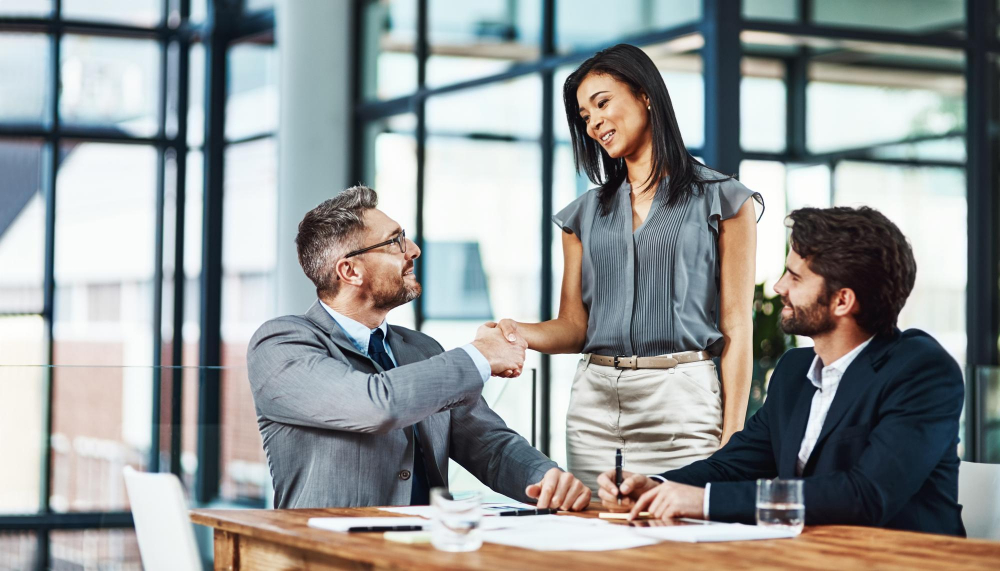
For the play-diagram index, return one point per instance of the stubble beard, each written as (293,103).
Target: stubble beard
(808,320)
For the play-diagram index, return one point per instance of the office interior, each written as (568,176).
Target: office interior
(157,155)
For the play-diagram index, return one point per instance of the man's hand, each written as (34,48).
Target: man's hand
(633,487)
(670,500)
(506,358)
(507,328)
(560,490)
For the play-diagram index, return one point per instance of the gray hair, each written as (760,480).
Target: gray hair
(330,231)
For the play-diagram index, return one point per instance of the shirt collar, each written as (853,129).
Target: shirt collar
(358,333)
(815,373)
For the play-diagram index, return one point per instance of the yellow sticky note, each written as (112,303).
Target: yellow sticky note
(410,537)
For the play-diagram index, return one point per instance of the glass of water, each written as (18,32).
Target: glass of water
(780,504)
(457,516)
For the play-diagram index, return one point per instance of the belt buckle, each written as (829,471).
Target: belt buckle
(616,360)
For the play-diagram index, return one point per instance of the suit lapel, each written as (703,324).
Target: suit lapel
(318,315)
(796,427)
(858,378)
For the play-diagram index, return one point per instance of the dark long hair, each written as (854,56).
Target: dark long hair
(631,66)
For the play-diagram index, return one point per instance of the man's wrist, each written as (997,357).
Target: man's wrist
(478,359)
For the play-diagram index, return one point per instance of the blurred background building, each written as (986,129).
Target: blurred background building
(156,155)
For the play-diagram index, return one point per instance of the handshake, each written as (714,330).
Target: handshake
(503,346)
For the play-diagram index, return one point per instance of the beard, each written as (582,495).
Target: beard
(391,290)
(808,320)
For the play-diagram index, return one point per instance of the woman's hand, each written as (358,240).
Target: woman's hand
(508,327)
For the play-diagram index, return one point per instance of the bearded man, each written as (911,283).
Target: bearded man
(356,412)
(868,418)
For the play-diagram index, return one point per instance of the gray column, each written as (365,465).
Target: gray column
(315,43)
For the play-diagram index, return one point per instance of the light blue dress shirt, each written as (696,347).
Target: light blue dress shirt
(359,334)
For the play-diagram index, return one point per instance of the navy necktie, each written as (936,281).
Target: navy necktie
(420,496)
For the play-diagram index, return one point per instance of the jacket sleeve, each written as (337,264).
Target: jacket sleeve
(295,380)
(918,421)
(498,456)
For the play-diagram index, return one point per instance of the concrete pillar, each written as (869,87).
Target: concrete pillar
(315,45)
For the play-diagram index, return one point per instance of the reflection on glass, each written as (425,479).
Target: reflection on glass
(252,105)
(507,108)
(39,8)
(773,10)
(135,12)
(22,342)
(870,110)
(22,226)
(105,236)
(391,162)
(918,198)
(24,91)
(768,178)
(111,83)
(474,39)
(248,264)
(17,549)
(94,549)
(388,63)
(196,95)
(762,114)
(918,18)
(586,24)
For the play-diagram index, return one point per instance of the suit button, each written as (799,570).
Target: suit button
(404,475)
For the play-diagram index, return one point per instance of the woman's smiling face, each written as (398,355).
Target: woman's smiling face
(615,118)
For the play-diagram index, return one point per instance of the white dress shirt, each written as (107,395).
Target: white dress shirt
(826,380)
(360,335)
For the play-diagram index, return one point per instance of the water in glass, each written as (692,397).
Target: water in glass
(780,504)
(456,520)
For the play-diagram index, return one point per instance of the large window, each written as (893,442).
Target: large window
(109,150)
(876,117)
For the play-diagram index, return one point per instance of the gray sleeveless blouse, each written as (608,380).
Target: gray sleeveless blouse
(655,290)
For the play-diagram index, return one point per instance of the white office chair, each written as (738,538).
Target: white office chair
(166,538)
(979,494)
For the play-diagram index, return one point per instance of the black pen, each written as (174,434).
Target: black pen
(387,528)
(542,511)
(618,473)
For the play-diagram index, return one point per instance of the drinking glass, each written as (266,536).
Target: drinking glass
(780,504)
(457,516)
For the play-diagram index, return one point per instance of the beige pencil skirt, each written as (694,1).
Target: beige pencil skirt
(661,418)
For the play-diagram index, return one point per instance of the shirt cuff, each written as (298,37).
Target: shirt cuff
(656,477)
(704,507)
(481,363)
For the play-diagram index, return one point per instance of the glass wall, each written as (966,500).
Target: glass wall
(102,242)
(823,122)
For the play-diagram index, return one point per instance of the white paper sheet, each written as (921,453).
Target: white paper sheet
(565,533)
(712,532)
(342,523)
(489,509)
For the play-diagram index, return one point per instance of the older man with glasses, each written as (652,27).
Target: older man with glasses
(356,412)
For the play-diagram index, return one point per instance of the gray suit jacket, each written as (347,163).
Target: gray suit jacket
(337,428)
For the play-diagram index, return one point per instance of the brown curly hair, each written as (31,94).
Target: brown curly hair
(860,249)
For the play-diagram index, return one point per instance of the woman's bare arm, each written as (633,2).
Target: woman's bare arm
(567,332)
(737,253)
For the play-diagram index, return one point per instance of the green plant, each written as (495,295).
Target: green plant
(769,344)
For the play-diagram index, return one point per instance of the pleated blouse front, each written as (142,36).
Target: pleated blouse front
(655,290)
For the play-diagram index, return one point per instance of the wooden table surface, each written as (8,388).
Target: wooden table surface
(281,539)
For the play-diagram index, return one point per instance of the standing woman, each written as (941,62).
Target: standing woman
(658,280)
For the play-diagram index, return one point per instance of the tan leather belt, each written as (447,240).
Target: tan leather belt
(659,362)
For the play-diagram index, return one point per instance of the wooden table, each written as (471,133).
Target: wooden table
(281,539)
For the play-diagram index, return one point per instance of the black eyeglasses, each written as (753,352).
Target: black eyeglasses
(399,240)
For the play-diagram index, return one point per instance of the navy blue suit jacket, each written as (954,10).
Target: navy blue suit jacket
(887,453)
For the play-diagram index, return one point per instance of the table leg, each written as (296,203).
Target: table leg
(227,551)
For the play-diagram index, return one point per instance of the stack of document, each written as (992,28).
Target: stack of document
(564,533)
